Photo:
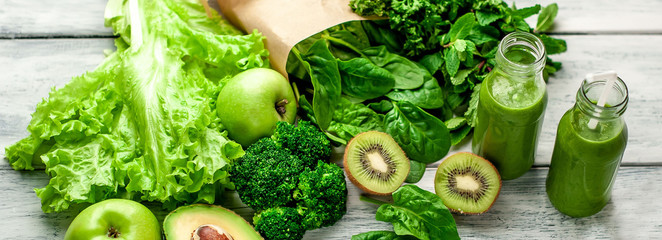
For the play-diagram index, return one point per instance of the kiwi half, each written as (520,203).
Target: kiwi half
(375,163)
(467,183)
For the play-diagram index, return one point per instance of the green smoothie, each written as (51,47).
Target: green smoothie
(509,118)
(511,106)
(584,163)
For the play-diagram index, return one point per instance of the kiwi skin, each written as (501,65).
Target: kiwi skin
(355,181)
(495,197)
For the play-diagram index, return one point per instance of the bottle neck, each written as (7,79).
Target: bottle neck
(589,93)
(521,55)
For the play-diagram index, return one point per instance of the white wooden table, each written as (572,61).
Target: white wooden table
(44,43)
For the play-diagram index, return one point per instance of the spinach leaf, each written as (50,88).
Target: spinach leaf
(546,17)
(432,62)
(459,134)
(381,235)
(364,80)
(382,106)
(418,213)
(428,96)
(416,171)
(408,74)
(422,136)
(307,109)
(325,77)
(350,119)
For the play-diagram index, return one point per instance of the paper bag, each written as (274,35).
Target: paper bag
(286,22)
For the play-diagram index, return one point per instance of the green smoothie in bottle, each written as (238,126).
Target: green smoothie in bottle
(590,142)
(511,106)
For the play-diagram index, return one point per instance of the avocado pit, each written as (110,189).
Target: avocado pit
(210,232)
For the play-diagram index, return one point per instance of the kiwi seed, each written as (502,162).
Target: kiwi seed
(467,183)
(375,163)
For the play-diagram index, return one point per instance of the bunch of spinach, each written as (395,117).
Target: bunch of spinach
(415,214)
(415,75)
(358,86)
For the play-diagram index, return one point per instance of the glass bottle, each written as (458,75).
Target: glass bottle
(589,146)
(511,106)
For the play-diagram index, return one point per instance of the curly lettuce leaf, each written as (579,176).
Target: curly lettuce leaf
(143,125)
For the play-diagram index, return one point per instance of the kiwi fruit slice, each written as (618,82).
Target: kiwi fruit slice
(375,163)
(467,183)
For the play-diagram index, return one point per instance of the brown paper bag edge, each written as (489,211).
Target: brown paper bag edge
(285,23)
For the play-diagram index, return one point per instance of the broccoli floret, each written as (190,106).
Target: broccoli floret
(304,140)
(280,223)
(321,195)
(287,179)
(268,177)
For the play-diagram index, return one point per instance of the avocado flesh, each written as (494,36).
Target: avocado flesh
(181,222)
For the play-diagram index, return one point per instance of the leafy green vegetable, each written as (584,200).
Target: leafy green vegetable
(365,80)
(325,77)
(428,96)
(381,107)
(415,212)
(546,17)
(408,74)
(351,119)
(461,28)
(382,235)
(455,123)
(143,124)
(422,136)
(416,172)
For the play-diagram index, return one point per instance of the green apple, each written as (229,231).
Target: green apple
(252,102)
(114,219)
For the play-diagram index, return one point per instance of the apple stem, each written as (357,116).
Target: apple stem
(280,106)
(113,233)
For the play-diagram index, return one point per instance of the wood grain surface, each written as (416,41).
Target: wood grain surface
(522,211)
(71,18)
(44,43)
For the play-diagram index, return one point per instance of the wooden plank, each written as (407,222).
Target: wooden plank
(44,18)
(29,68)
(75,18)
(522,211)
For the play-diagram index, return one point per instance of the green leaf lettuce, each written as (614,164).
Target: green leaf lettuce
(143,125)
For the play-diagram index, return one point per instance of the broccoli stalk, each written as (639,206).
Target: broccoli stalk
(287,179)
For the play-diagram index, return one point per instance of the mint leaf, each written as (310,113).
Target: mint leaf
(485,18)
(553,45)
(462,27)
(460,77)
(455,123)
(546,17)
(470,114)
(452,61)
(527,12)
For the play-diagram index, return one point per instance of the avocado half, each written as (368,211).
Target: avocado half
(183,221)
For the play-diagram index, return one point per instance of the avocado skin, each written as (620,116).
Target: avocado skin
(181,222)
